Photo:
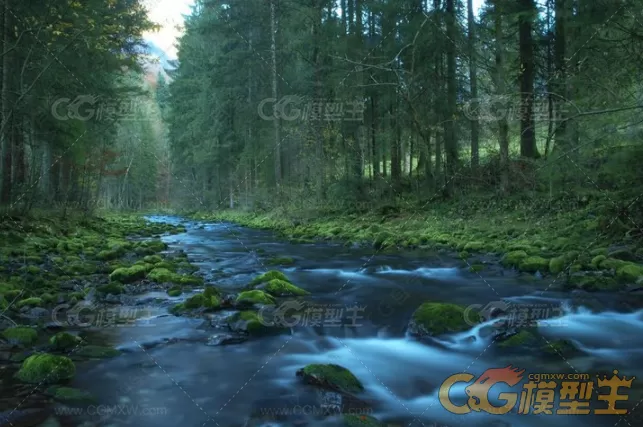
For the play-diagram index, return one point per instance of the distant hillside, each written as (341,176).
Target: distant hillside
(156,60)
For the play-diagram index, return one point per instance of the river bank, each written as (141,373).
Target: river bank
(583,247)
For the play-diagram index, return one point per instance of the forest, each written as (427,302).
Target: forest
(413,159)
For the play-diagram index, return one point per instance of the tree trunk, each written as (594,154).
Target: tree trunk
(503,127)
(528,13)
(450,140)
(473,81)
(275,94)
(6,145)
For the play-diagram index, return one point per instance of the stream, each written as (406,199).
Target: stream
(171,374)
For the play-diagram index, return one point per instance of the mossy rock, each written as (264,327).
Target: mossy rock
(248,322)
(129,274)
(281,288)
(612,264)
(594,283)
(623,255)
(64,341)
(154,245)
(96,352)
(255,297)
(152,259)
(202,301)
(629,273)
(597,260)
(351,420)
(268,276)
(557,265)
(70,395)
(111,254)
(111,288)
(331,376)
(163,275)
(522,338)
(433,318)
(514,258)
(533,264)
(175,291)
(382,240)
(43,368)
(474,246)
(21,335)
(30,302)
(280,261)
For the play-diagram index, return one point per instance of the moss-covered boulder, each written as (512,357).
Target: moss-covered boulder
(64,341)
(268,276)
(474,246)
(514,258)
(20,335)
(202,301)
(433,318)
(30,302)
(331,376)
(521,339)
(254,297)
(629,273)
(43,368)
(557,265)
(111,288)
(248,322)
(533,264)
(282,288)
(152,259)
(175,291)
(163,275)
(597,260)
(128,274)
(96,352)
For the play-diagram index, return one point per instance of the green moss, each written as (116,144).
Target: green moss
(128,275)
(440,318)
(254,325)
(474,246)
(70,395)
(111,254)
(333,376)
(597,260)
(23,336)
(282,288)
(464,255)
(46,368)
(111,288)
(557,265)
(533,264)
(280,261)
(47,298)
(201,301)
(351,420)
(594,283)
(612,264)
(211,291)
(153,245)
(629,273)
(175,291)
(521,338)
(153,259)
(64,341)
(255,297)
(514,258)
(96,352)
(163,275)
(268,276)
(30,302)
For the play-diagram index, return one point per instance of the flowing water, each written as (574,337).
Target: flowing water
(169,376)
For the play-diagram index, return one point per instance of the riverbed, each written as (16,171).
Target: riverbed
(171,373)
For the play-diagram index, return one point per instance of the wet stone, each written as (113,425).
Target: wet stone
(224,339)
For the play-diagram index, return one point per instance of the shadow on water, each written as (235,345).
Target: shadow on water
(169,376)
